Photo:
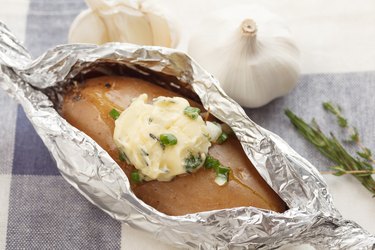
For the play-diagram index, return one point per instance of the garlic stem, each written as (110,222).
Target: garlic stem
(249,27)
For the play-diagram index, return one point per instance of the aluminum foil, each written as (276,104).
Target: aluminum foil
(37,85)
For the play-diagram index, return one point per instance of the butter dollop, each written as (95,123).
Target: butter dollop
(137,135)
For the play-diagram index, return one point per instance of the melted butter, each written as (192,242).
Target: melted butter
(233,177)
(101,101)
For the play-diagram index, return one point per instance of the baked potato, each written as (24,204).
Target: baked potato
(87,107)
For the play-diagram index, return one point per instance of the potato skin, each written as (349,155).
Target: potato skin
(87,108)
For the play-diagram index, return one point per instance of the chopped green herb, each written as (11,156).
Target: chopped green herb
(135,176)
(211,162)
(222,138)
(192,112)
(222,170)
(221,179)
(153,137)
(144,152)
(157,139)
(192,162)
(114,114)
(168,139)
(145,156)
(122,156)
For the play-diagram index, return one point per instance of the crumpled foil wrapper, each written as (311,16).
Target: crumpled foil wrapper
(39,84)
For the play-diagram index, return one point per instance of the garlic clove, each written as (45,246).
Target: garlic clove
(250,51)
(160,30)
(128,21)
(129,25)
(82,31)
(164,32)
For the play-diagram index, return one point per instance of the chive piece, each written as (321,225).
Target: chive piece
(192,112)
(157,139)
(192,162)
(168,139)
(122,156)
(222,173)
(221,180)
(222,170)
(222,138)
(153,137)
(211,162)
(144,152)
(135,176)
(114,114)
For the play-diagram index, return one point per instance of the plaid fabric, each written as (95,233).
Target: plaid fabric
(39,210)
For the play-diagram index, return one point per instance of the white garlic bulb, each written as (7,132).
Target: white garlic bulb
(122,21)
(250,51)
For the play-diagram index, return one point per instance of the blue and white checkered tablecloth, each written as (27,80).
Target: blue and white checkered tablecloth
(39,210)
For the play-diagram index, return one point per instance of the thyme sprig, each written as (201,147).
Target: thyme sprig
(360,165)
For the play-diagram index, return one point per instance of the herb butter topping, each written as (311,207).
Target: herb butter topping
(160,139)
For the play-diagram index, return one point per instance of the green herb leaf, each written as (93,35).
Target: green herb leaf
(222,170)
(222,138)
(114,114)
(168,139)
(135,176)
(354,137)
(192,112)
(339,170)
(222,174)
(122,156)
(157,139)
(342,122)
(365,154)
(211,162)
(330,147)
(328,106)
(192,162)
(154,137)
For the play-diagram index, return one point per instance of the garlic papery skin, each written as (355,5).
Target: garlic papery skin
(122,21)
(250,51)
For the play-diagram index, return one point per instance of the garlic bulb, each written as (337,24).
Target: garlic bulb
(122,21)
(250,51)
